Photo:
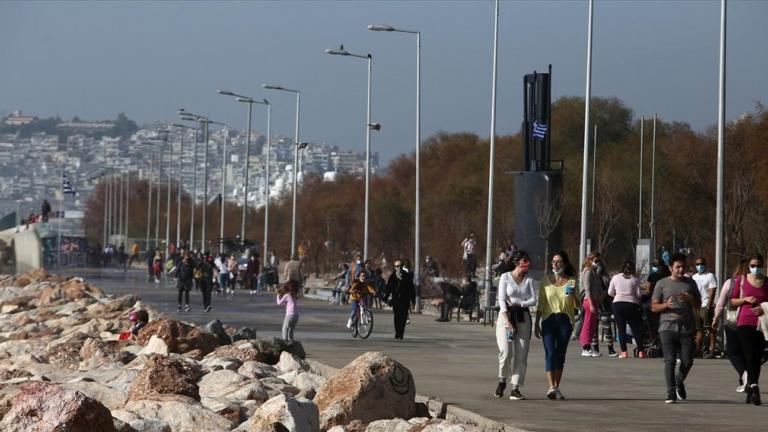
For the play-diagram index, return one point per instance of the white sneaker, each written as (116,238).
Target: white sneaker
(741,388)
(349,323)
(585,353)
(593,353)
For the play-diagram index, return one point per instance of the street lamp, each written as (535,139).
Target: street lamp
(188,116)
(295,160)
(250,101)
(178,192)
(368,126)
(193,200)
(417,228)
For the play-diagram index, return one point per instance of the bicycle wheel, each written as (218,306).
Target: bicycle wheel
(365,325)
(353,328)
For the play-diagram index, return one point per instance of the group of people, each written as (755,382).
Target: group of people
(682,304)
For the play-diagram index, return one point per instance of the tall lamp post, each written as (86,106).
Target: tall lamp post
(178,192)
(369,58)
(250,101)
(295,160)
(491,162)
(193,200)
(205,122)
(585,164)
(417,224)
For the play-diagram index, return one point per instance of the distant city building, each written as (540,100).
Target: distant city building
(17,118)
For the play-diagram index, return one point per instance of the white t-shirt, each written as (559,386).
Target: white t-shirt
(523,294)
(222,265)
(705,282)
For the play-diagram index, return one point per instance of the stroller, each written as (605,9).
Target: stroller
(652,345)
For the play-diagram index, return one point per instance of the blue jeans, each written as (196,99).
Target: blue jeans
(353,312)
(223,279)
(555,332)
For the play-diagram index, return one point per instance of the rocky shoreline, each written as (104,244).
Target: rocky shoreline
(62,368)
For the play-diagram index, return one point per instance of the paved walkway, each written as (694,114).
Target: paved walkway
(458,363)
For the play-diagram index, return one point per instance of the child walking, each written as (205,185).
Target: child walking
(287,296)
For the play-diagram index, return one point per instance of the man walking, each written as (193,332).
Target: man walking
(184,273)
(401,294)
(676,298)
(707,285)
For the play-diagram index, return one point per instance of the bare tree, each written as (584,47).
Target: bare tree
(549,212)
(606,215)
(737,203)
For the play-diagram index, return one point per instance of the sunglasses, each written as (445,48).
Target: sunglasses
(398,265)
(755,265)
(557,262)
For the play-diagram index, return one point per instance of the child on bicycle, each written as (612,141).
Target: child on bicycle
(358,292)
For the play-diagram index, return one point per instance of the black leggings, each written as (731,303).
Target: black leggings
(733,349)
(629,313)
(184,289)
(752,345)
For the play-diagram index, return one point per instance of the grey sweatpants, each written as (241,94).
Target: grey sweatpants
(289,325)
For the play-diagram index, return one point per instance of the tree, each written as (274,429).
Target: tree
(123,127)
(607,215)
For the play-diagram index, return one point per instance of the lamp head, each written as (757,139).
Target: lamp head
(387,28)
(225,92)
(374,126)
(271,87)
(337,51)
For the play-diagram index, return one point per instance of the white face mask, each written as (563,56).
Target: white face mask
(756,270)
(558,271)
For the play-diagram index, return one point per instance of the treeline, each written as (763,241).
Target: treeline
(122,127)
(454,193)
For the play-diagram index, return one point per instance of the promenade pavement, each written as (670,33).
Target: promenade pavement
(457,362)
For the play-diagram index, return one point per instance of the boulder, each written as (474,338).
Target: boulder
(47,407)
(392,425)
(244,351)
(179,337)
(449,427)
(223,407)
(217,363)
(305,381)
(65,351)
(96,352)
(111,398)
(254,369)
(155,346)
(290,363)
(163,375)
(220,383)
(254,391)
(295,415)
(216,328)
(182,414)
(356,392)
(244,333)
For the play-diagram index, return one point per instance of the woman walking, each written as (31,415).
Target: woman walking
(558,302)
(592,289)
(517,293)
(732,345)
(748,295)
(625,290)
(287,296)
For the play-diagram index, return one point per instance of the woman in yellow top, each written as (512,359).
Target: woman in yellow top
(554,318)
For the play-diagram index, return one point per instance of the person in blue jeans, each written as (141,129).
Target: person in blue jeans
(555,312)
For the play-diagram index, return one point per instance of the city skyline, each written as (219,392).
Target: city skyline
(95,60)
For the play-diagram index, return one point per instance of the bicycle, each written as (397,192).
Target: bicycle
(362,322)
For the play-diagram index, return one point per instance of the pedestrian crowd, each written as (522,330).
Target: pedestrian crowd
(675,314)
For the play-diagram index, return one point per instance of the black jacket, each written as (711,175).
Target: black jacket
(184,272)
(401,291)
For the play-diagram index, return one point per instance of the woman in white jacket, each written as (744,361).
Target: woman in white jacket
(517,293)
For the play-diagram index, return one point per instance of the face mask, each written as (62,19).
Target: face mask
(756,270)
(359,262)
(524,266)
(599,268)
(558,271)
(654,269)
(700,268)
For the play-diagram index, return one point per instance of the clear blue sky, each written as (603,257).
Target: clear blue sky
(96,59)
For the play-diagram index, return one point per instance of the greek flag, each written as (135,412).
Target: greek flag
(539,130)
(66,186)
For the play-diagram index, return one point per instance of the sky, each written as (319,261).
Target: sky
(148,59)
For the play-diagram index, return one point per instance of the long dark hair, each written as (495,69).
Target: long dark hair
(518,255)
(568,269)
(628,268)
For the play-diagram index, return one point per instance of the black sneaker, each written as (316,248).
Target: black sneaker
(499,393)
(187,308)
(709,355)
(178,309)
(681,393)
(611,351)
(748,391)
(207,308)
(755,393)
(516,395)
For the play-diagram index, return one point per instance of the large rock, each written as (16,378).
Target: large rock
(391,425)
(180,415)
(111,398)
(179,337)
(163,375)
(255,369)
(43,407)
(290,363)
(155,346)
(305,381)
(357,392)
(285,413)
(96,352)
(244,333)
(216,328)
(221,382)
(70,290)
